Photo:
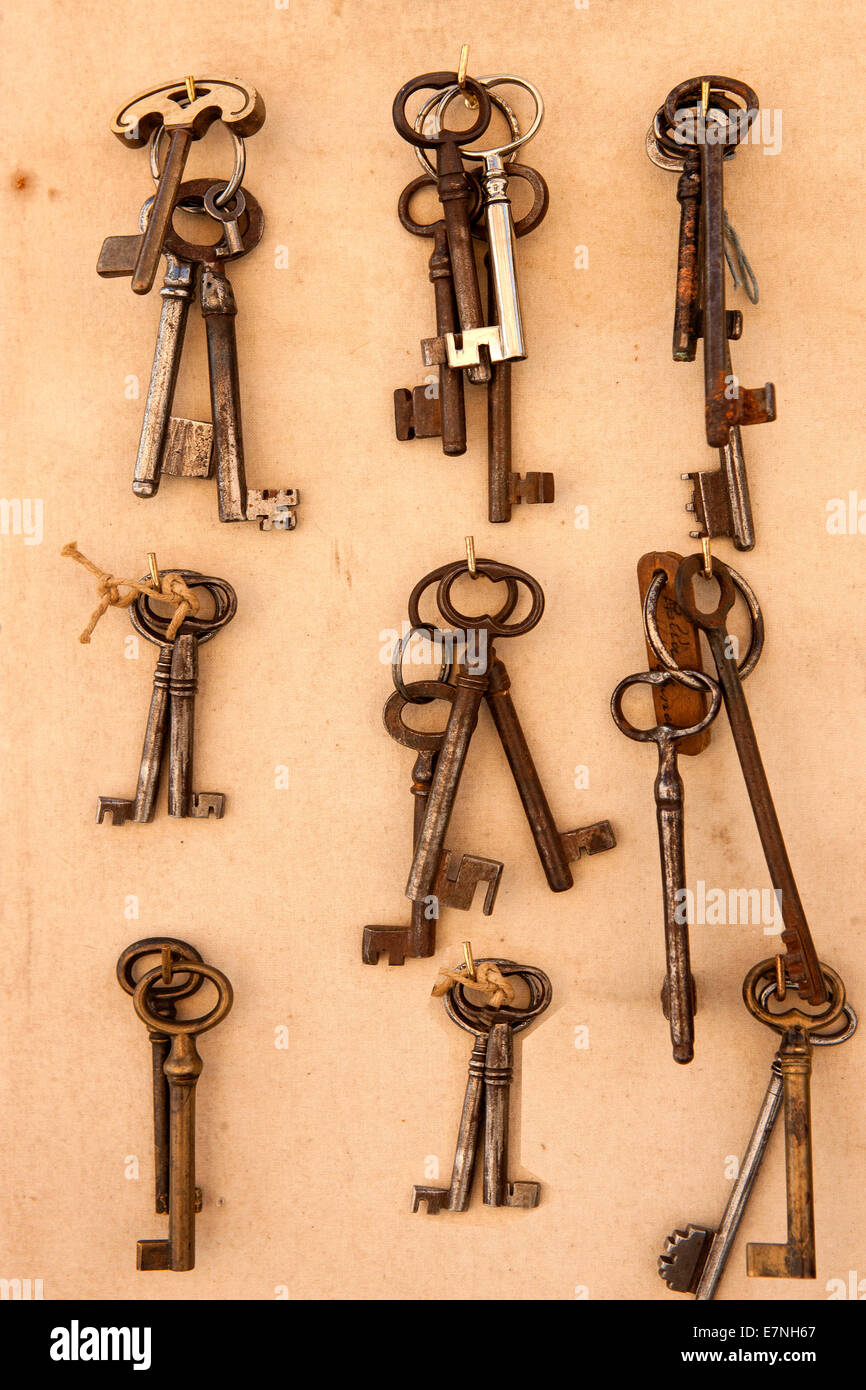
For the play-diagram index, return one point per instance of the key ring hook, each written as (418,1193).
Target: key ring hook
(502,152)
(478,1018)
(435,107)
(153,945)
(508,607)
(662,733)
(753,998)
(238,169)
(492,623)
(654,637)
(188,1027)
(153,626)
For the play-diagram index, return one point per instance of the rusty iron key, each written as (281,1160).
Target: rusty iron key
(485,1103)
(802,963)
(419,938)
(678,994)
(455,194)
(168,107)
(182,1068)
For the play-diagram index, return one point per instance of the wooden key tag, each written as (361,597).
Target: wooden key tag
(675,704)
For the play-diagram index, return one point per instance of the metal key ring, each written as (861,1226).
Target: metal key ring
(438,104)
(238,170)
(725,87)
(184,1026)
(794,1017)
(419,740)
(436,81)
(193,193)
(661,733)
(691,678)
(476,1018)
(819,1039)
(492,623)
(667,152)
(153,945)
(434,576)
(154,626)
(429,181)
(520,138)
(397,664)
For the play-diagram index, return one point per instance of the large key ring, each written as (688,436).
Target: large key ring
(153,945)
(184,1026)
(662,733)
(433,577)
(728,582)
(436,81)
(492,623)
(234,183)
(667,152)
(154,626)
(755,1001)
(438,103)
(502,152)
(689,93)
(397,666)
(477,1018)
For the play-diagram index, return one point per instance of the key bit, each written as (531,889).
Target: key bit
(205,804)
(589,839)
(531,488)
(273,508)
(418,415)
(121,809)
(685,1254)
(435,1199)
(457,888)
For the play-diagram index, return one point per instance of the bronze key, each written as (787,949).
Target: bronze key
(182,1068)
(455,193)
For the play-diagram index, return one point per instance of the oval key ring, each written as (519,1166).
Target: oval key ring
(437,103)
(192,194)
(184,1026)
(662,733)
(794,1017)
(820,1039)
(153,945)
(435,81)
(492,623)
(419,740)
(238,169)
(154,626)
(654,637)
(501,151)
(667,152)
(474,1018)
(725,87)
(397,665)
(428,228)
(433,577)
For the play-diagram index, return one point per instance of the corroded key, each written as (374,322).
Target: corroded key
(183,800)
(796,1258)
(455,193)
(169,107)
(802,964)
(182,1068)
(142,807)
(678,994)
(164,999)
(419,938)
(675,703)
(486,1097)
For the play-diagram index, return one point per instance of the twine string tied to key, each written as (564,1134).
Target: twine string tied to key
(488,980)
(172,588)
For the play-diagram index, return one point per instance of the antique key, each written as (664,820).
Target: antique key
(171,715)
(694,1259)
(678,995)
(802,963)
(182,1069)
(455,194)
(185,110)
(419,938)
(487,1093)
(164,998)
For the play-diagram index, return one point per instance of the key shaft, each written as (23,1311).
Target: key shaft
(177,294)
(795,1259)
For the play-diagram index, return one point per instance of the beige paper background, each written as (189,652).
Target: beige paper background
(308,1155)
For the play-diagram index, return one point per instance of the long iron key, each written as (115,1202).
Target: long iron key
(182,1068)
(419,938)
(183,800)
(142,806)
(802,964)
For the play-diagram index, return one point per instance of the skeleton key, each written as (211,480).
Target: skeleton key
(455,194)
(182,1068)
(490,1068)
(727,403)
(678,994)
(164,999)
(419,938)
(694,1260)
(795,1259)
(169,107)
(470,690)
(802,965)
(142,806)
(676,704)
(417,413)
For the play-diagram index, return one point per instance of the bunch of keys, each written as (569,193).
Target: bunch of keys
(475,206)
(480,676)
(171,717)
(699,126)
(491,1066)
(170,444)
(176,1068)
(694,1259)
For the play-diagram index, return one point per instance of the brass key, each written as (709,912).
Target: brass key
(182,1068)
(796,1258)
